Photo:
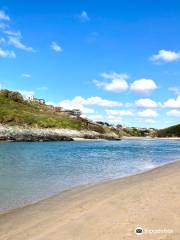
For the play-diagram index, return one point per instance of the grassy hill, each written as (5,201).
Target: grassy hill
(173,131)
(14,110)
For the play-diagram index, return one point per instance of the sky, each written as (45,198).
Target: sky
(118,61)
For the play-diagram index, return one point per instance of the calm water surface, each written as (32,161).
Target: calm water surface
(33,171)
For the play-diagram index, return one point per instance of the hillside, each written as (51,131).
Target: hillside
(15,111)
(173,131)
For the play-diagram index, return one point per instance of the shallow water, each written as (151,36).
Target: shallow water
(33,171)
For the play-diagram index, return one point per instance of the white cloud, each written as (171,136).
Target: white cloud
(143,86)
(173,113)
(165,56)
(27,94)
(77,102)
(114,119)
(16,42)
(149,120)
(172,103)
(82,103)
(176,90)
(146,103)
(148,113)
(10,37)
(96,101)
(26,75)
(7,54)
(56,47)
(113,82)
(67,104)
(97,117)
(13,33)
(119,112)
(101,102)
(4,16)
(84,16)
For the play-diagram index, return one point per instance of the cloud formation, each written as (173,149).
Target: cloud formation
(95,117)
(146,103)
(150,121)
(176,90)
(7,53)
(172,103)
(148,113)
(10,38)
(84,16)
(165,56)
(27,94)
(56,47)
(173,113)
(143,86)
(98,101)
(119,112)
(17,43)
(4,16)
(26,75)
(113,82)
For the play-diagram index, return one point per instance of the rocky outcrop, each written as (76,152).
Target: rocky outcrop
(34,138)
(20,134)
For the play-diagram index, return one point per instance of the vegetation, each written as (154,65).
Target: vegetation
(14,110)
(173,131)
(139,132)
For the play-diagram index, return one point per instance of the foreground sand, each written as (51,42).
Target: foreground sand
(108,211)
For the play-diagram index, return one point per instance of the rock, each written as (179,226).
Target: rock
(19,134)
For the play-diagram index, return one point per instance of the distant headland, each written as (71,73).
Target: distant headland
(31,119)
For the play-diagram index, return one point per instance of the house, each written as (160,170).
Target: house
(76,112)
(50,108)
(73,112)
(39,100)
(58,109)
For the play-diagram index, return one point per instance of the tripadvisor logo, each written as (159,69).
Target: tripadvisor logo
(138,231)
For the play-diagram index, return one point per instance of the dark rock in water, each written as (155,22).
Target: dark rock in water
(109,137)
(35,138)
(101,136)
(89,136)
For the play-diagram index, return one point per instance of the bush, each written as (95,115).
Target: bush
(173,131)
(15,96)
(4,93)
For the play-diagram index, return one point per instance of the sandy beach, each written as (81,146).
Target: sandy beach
(106,211)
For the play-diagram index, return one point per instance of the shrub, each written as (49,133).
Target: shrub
(4,93)
(15,96)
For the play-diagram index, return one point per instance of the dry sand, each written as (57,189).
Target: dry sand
(107,211)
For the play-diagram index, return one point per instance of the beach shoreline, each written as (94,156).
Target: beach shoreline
(109,210)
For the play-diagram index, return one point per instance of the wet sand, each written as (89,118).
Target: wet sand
(106,211)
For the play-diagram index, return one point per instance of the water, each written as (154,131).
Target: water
(33,171)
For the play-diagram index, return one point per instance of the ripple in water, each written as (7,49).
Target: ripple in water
(33,171)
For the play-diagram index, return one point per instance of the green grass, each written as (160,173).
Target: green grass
(16,111)
(173,131)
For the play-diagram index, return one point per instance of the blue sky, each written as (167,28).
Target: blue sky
(118,61)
